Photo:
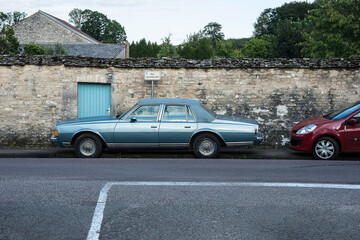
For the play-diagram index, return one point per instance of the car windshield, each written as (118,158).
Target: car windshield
(119,116)
(343,112)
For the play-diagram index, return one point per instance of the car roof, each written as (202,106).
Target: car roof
(170,101)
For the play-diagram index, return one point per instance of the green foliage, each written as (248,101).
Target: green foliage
(56,49)
(144,49)
(261,47)
(335,30)
(8,19)
(167,49)
(34,49)
(213,31)
(238,43)
(226,49)
(287,25)
(114,33)
(98,26)
(196,47)
(76,17)
(8,42)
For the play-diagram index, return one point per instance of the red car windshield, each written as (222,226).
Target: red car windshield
(343,112)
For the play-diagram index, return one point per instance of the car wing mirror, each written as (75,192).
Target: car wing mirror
(133,119)
(352,122)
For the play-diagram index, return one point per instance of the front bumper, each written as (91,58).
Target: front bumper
(54,141)
(301,142)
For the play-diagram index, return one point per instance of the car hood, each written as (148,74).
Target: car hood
(309,121)
(236,119)
(86,119)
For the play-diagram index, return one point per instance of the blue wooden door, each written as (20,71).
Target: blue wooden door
(94,99)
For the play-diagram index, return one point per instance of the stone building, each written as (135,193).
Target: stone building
(47,30)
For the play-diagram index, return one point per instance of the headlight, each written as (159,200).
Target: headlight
(306,129)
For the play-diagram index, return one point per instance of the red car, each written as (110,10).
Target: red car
(329,135)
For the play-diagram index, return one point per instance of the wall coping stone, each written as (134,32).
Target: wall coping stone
(178,63)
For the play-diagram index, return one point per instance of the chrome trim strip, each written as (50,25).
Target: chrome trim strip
(146,145)
(132,145)
(66,144)
(174,144)
(232,144)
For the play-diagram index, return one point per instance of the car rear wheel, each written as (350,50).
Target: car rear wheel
(88,146)
(206,146)
(325,148)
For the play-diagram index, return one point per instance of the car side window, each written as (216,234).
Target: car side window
(174,113)
(190,116)
(357,117)
(146,113)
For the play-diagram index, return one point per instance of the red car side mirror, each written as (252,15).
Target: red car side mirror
(352,122)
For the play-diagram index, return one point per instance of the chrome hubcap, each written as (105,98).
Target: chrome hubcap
(207,147)
(324,149)
(88,147)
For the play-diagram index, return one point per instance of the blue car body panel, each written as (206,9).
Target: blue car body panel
(127,131)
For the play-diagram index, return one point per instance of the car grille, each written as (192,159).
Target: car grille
(296,142)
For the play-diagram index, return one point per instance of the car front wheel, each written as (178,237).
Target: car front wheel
(88,146)
(325,148)
(206,146)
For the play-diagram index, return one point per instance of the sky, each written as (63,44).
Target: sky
(156,19)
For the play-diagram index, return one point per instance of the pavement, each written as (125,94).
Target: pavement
(262,152)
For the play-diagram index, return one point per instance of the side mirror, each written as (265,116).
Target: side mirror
(352,122)
(133,119)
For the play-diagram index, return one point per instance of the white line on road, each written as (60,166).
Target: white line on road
(94,231)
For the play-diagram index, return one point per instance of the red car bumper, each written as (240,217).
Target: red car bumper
(302,142)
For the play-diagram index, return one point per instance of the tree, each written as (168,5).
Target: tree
(167,49)
(114,33)
(34,49)
(8,42)
(144,49)
(76,17)
(226,49)
(98,26)
(196,47)
(287,24)
(213,31)
(335,30)
(10,18)
(262,47)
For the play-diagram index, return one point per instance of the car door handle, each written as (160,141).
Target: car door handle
(153,126)
(187,127)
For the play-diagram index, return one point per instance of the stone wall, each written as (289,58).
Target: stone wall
(37,91)
(41,29)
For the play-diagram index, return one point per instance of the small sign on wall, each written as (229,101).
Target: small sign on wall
(152,76)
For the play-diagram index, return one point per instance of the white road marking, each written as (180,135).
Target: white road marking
(94,231)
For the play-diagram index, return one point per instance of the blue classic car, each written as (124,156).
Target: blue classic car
(159,123)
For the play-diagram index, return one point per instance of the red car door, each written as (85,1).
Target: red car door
(351,133)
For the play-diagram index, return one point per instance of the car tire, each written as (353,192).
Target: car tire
(88,146)
(206,146)
(325,148)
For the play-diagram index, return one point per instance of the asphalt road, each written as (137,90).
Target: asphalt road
(179,199)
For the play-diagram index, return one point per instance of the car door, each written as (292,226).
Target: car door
(351,133)
(140,128)
(177,125)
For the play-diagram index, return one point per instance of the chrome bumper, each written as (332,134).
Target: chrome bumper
(55,143)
